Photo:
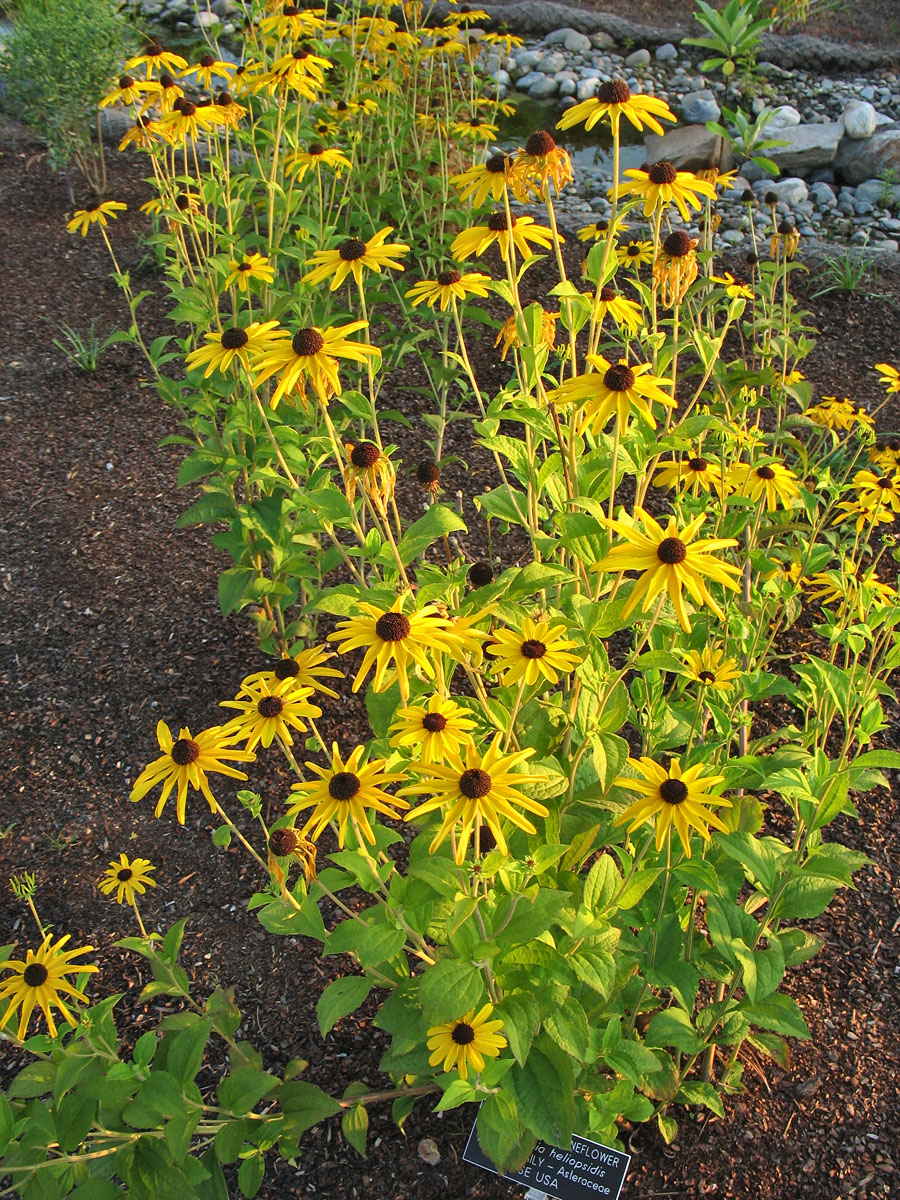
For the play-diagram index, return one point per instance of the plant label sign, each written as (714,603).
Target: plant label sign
(586,1171)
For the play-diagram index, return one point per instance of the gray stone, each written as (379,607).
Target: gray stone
(602,41)
(542,88)
(666,52)
(733,237)
(566,87)
(700,107)
(577,43)
(860,238)
(551,63)
(152,8)
(752,173)
(783,117)
(638,58)
(863,205)
(859,120)
(586,89)
(114,124)
(567,102)
(688,148)
(788,191)
(822,175)
(524,82)
(526,59)
(870,191)
(558,36)
(823,195)
(857,161)
(891,224)
(807,146)
(868,93)
(889,244)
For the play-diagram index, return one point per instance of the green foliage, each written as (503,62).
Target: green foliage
(733,33)
(747,138)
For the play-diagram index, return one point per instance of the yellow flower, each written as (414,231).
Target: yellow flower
(128,90)
(711,668)
(696,474)
(876,491)
(613,390)
(669,561)
(661,184)
(39,980)
(252,266)
(509,332)
(187,120)
(785,240)
(306,669)
(482,789)
(539,163)
(394,642)
(536,652)
(674,797)
(635,253)
(155,58)
(352,255)
(863,515)
(770,481)
(234,346)
(372,468)
(734,288)
(317,155)
(476,128)
(186,762)
(449,285)
(143,133)
(613,101)
(625,313)
(311,354)
(292,22)
(489,179)
(439,728)
(466,1043)
(832,413)
(269,711)
(597,230)
(474,241)
(889,376)
(126,878)
(207,68)
(97,214)
(343,792)
(859,591)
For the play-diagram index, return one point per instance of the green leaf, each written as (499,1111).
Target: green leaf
(519,1012)
(341,997)
(636,886)
(73,1119)
(242,1090)
(438,521)
(450,989)
(596,968)
(372,944)
(806,897)
(602,883)
(668,1127)
(779,1013)
(568,1026)
(209,509)
(500,1134)
(355,1124)
(250,1175)
(235,586)
(35,1080)
(185,1055)
(304,1105)
(545,1091)
(672,1027)
(692,1091)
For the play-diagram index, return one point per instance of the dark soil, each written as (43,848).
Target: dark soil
(109,621)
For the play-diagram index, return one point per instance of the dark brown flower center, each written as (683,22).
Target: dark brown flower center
(619,378)
(124,874)
(434,722)
(678,244)
(392,627)
(540,144)
(633,250)
(662,172)
(496,222)
(364,455)
(186,108)
(697,464)
(446,278)
(245,266)
(126,82)
(885,482)
(673,791)
(765,473)
(35,974)
(532,648)
(307,342)
(496,164)
(614,91)
(428,473)
(316,149)
(286,668)
(707,676)
(480,574)
(207,60)
(270,706)
(786,228)
(166,80)
(224,99)
(299,54)
(351,249)
(234,339)
(153,50)
(474,783)
(290,10)
(462,1034)
(341,106)
(671,551)
(185,751)
(343,785)
(282,842)
(607,294)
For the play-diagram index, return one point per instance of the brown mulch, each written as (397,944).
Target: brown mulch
(109,621)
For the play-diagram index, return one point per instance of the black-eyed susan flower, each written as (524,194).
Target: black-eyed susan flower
(485,179)
(128,90)
(317,155)
(889,376)
(635,253)
(735,287)
(534,652)
(509,41)
(694,473)
(293,22)
(785,241)
(862,515)
(474,241)
(541,162)
(449,285)
(228,113)
(675,267)
(599,229)
(307,669)
(885,455)
(613,101)
(674,797)
(352,255)
(711,668)
(164,94)
(97,214)
(235,347)
(127,878)
(144,132)
(509,332)
(343,792)
(625,313)
(428,477)
(437,729)
(876,491)
(208,68)
(299,72)
(187,762)
(310,356)
(154,59)
(39,980)
(371,467)
(251,266)
(186,120)
(769,481)
(662,184)
(395,641)
(268,711)
(670,560)
(619,390)
(287,842)
(474,128)
(466,1043)
(480,789)
(857,590)
(831,413)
